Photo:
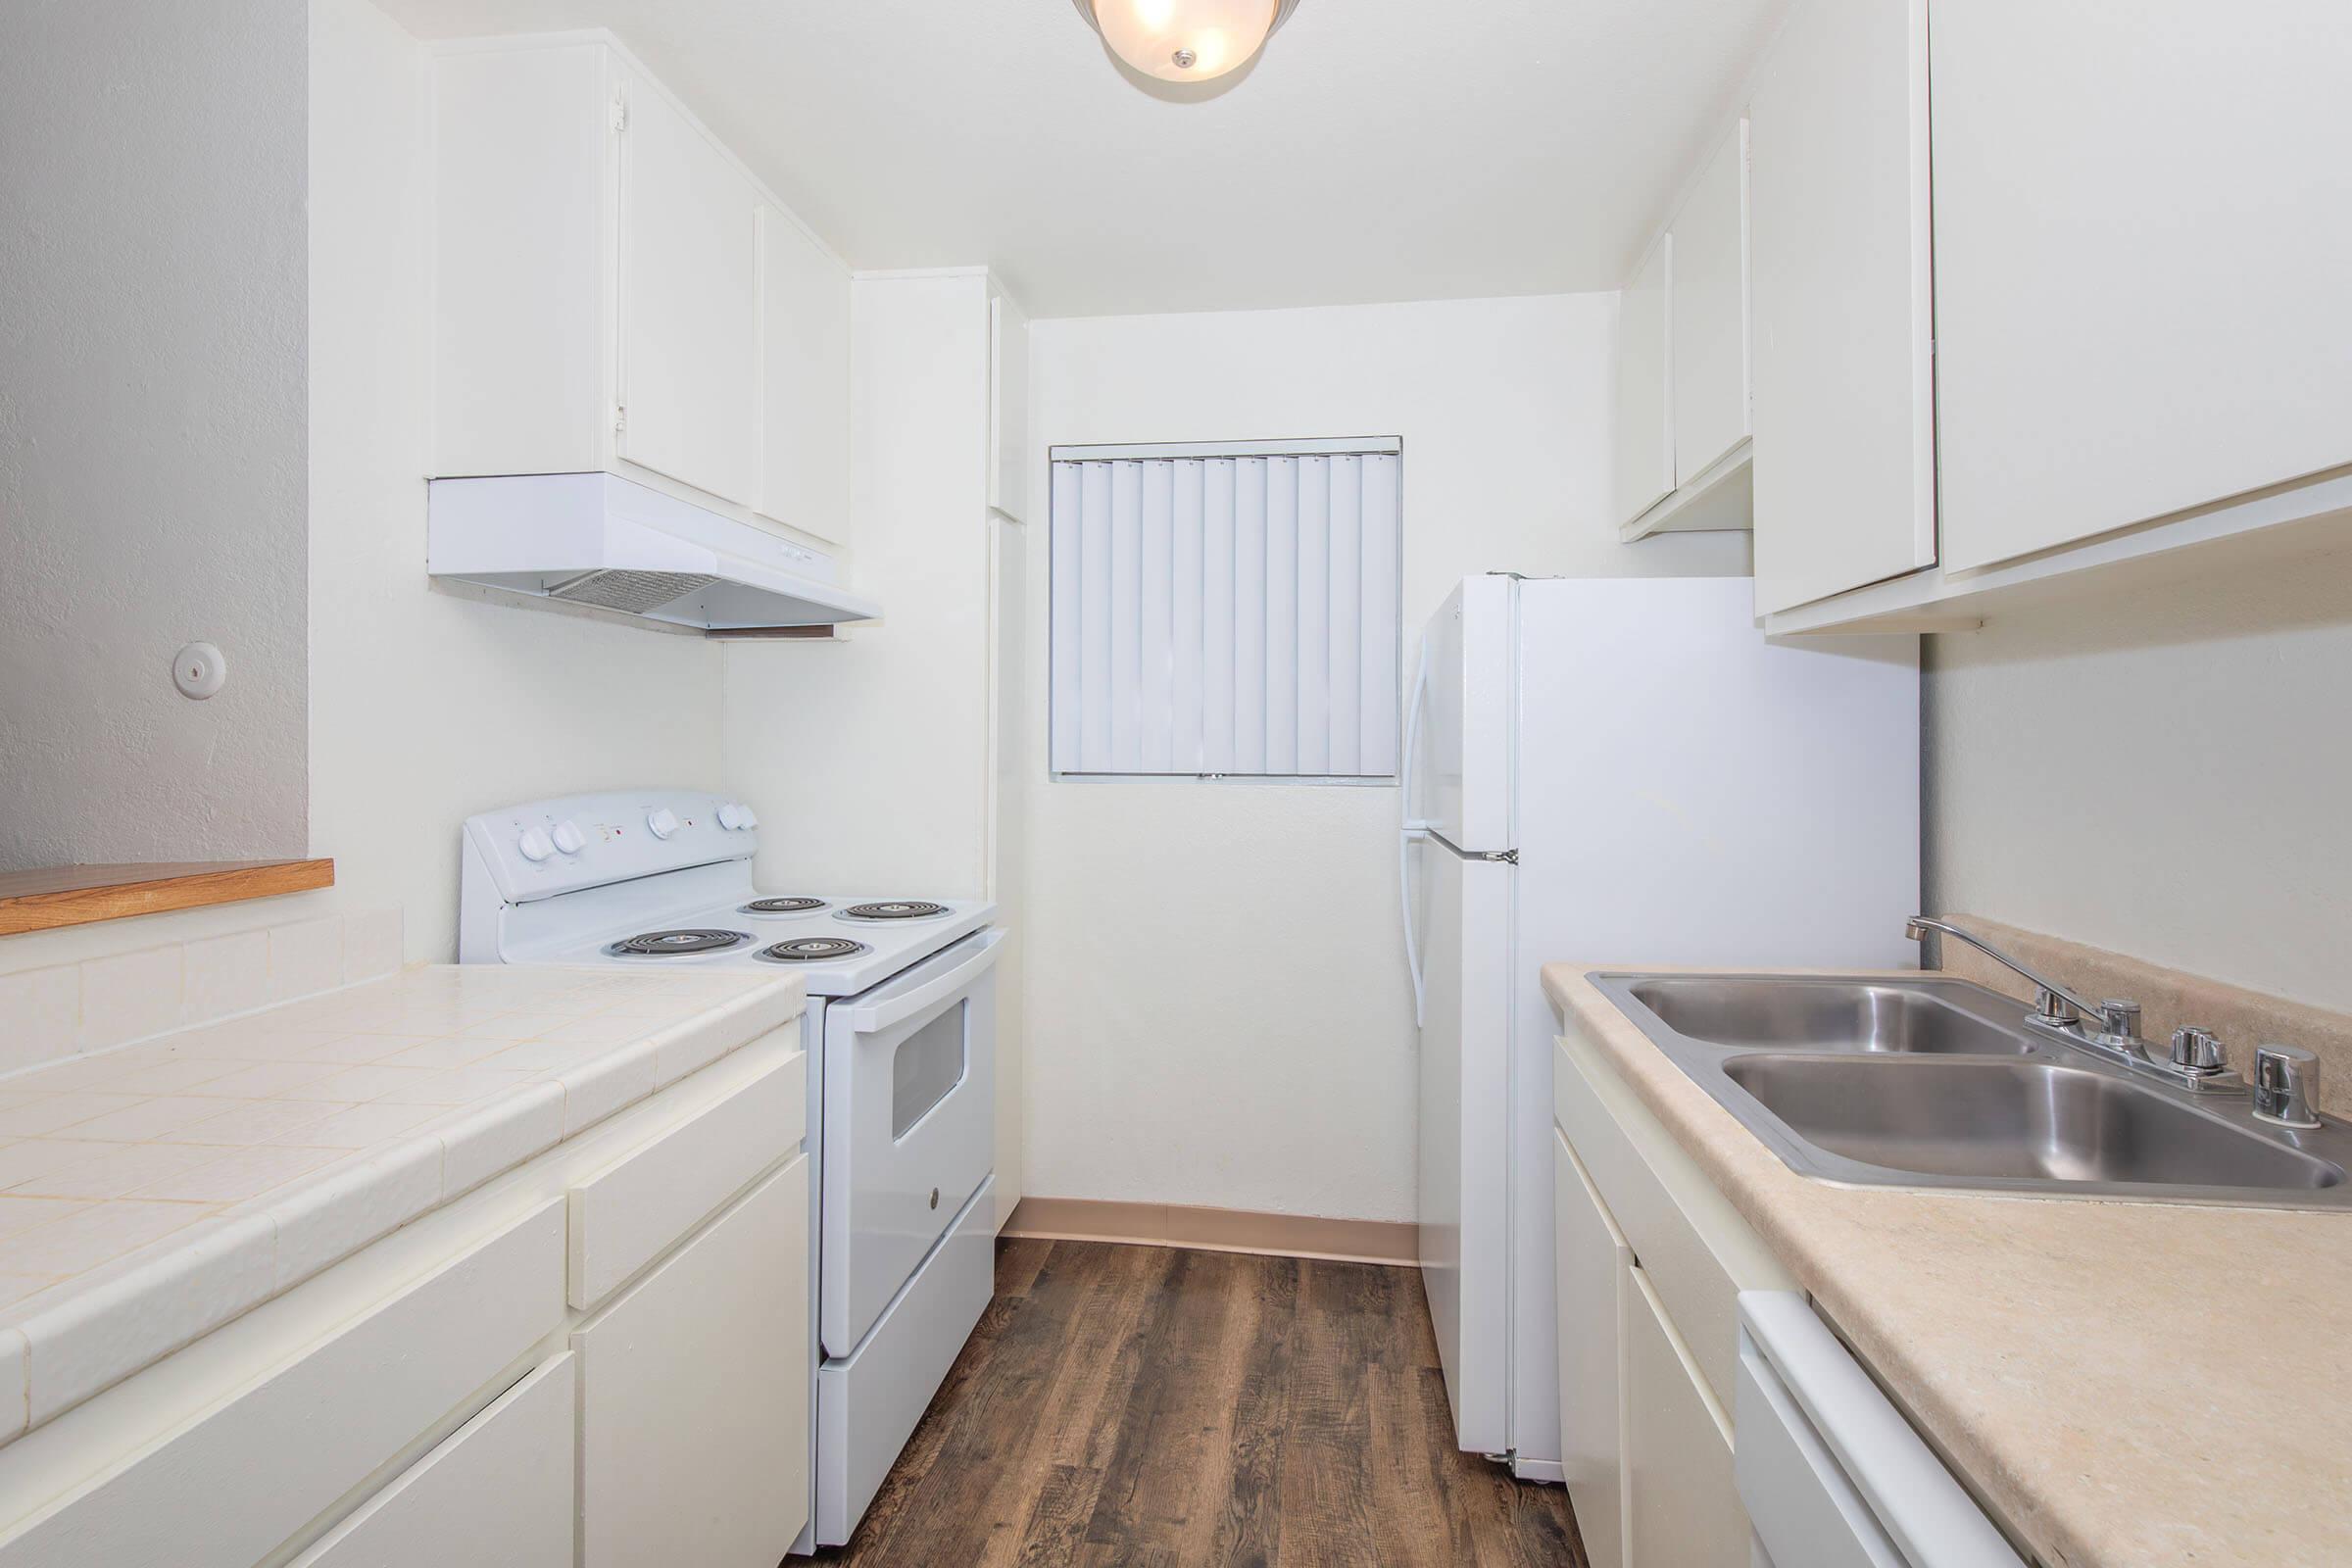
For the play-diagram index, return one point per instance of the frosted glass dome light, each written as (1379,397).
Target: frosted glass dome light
(1184,40)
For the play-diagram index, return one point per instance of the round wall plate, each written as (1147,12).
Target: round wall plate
(199,670)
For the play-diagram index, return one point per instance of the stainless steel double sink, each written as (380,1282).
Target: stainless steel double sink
(1936,1083)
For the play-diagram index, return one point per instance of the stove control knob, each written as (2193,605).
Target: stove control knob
(534,846)
(662,822)
(569,838)
(736,817)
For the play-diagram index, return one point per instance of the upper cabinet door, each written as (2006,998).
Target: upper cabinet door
(1007,407)
(1844,471)
(689,303)
(1644,386)
(1710,312)
(804,381)
(2143,213)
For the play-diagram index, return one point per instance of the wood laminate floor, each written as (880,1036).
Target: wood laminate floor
(1151,1407)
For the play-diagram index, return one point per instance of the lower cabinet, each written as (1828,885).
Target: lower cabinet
(497,1491)
(694,1397)
(1685,1501)
(1589,1255)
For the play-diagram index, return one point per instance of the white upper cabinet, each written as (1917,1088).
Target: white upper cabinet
(615,292)
(1644,471)
(2143,214)
(1844,472)
(1710,313)
(804,382)
(1008,405)
(689,301)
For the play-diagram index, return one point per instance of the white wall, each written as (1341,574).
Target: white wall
(2162,772)
(868,756)
(878,761)
(150,429)
(1217,1006)
(425,706)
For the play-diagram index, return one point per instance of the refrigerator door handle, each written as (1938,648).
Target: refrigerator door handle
(1410,828)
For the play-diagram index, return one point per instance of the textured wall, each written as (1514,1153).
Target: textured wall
(152,428)
(2158,768)
(1218,1004)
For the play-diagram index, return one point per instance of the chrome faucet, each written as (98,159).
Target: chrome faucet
(2055,1008)
(2198,1061)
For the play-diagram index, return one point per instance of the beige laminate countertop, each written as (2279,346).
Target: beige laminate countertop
(2127,1385)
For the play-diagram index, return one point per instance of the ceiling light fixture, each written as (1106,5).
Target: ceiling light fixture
(1184,40)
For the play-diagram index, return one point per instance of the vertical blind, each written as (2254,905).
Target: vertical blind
(1226,614)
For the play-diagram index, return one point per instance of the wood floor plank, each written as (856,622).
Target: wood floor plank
(1151,1407)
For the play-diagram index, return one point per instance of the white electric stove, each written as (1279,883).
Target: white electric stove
(900,1036)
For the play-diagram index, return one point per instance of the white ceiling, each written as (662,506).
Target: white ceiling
(1377,150)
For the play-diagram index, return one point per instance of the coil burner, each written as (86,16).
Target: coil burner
(813,950)
(678,944)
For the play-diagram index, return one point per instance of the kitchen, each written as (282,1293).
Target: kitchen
(487,482)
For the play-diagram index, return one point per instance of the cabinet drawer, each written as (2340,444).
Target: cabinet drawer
(628,1214)
(498,1491)
(241,1478)
(1694,1245)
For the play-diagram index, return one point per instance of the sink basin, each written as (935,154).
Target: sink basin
(2016,1121)
(1931,1082)
(1800,1014)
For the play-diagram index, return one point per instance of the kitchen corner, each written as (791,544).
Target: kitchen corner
(2119,1383)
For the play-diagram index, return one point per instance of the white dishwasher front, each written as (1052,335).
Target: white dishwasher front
(1829,1472)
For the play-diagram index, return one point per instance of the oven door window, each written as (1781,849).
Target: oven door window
(928,1064)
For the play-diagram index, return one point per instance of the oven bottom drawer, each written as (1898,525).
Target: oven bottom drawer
(867,1402)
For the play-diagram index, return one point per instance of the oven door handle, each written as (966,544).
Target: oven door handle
(881,1012)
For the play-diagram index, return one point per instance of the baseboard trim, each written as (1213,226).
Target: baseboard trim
(1215,1230)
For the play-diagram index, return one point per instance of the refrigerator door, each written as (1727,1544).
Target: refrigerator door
(1464,909)
(1689,794)
(1458,779)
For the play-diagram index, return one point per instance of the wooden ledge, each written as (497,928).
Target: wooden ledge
(75,895)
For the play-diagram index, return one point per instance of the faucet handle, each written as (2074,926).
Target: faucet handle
(2198,1049)
(2286,1080)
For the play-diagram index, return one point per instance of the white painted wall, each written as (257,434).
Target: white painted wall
(879,761)
(868,756)
(2191,811)
(1218,1004)
(425,706)
(150,429)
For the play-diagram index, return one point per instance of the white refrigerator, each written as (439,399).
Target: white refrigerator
(1613,771)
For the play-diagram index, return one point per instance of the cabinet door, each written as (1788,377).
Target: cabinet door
(1007,407)
(1840,294)
(2142,213)
(689,303)
(1589,1256)
(1682,1499)
(498,1491)
(1644,386)
(694,1397)
(804,381)
(1710,312)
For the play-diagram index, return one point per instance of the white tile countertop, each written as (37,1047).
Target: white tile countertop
(151,1193)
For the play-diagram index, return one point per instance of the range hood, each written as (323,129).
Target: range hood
(599,539)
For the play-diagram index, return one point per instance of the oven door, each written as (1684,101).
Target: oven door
(910,1129)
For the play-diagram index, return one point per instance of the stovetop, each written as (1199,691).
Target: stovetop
(840,954)
(662,879)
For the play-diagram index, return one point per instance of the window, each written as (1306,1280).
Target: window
(1226,610)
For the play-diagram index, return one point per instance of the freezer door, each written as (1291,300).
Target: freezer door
(1458,779)
(1464,1185)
